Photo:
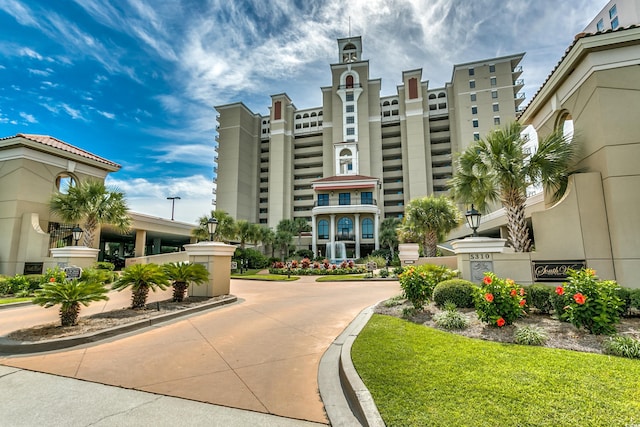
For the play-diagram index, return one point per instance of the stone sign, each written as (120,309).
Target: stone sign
(73,272)
(33,268)
(234,265)
(554,271)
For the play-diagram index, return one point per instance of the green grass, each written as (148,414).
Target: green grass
(420,376)
(341,277)
(265,277)
(12,300)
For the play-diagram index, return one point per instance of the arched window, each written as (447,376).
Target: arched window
(394,102)
(349,81)
(298,116)
(345,228)
(323,229)
(441,95)
(313,114)
(432,96)
(367,228)
(346,161)
(385,103)
(305,115)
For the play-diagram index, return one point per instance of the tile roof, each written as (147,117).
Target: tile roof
(63,146)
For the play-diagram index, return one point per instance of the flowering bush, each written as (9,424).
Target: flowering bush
(590,302)
(305,263)
(418,282)
(498,301)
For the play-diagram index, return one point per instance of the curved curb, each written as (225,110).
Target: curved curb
(10,347)
(346,399)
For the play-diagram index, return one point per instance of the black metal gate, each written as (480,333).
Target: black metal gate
(60,235)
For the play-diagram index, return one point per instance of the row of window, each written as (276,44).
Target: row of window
(493,80)
(492,69)
(474,96)
(475,123)
(613,18)
(345,228)
(474,108)
(366,198)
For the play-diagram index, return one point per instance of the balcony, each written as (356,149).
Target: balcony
(351,86)
(336,202)
(518,84)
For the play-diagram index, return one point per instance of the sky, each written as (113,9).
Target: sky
(135,81)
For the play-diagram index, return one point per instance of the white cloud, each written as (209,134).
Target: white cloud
(110,116)
(28,117)
(72,112)
(43,73)
(186,153)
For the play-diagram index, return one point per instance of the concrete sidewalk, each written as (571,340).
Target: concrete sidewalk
(261,355)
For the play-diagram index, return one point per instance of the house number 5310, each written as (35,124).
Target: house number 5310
(474,257)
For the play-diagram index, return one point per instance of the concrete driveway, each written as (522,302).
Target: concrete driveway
(261,354)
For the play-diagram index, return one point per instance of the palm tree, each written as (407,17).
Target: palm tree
(182,274)
(299,226)
(141,278)
(388,233)
(70,294)
(500,168)
(267,237)
(247,232)
(91,203)
(224,231)
(430,219)
(282,241)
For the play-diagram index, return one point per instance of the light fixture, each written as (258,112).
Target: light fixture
(212,224)
(173,204)
(77,233)
(473,219)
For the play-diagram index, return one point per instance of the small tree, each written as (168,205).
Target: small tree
(181,274)
(430,219)
(141,278)
(224,231)
(69,295)
(389,234)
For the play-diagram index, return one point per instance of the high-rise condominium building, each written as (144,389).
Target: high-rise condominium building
(615,14)
(359,157)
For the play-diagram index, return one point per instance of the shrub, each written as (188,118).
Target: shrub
(35,280)
(305,253)
(5,286)
(540,297)
(635,298)
(384,273)
(394,301)
(398,271)
(498,301)
(558,303)
(380,261)
(18,285)
(305,263)
(622,346)
(451,318)
(69,294)
(104,265)
(625,296)
(530,335)
(591,303)
(99,275)
(254,258)
(458,291)
(418,282)
(53,275)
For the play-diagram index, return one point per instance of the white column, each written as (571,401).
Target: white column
(357,230)
(375,231)
(314,242)
(332,236)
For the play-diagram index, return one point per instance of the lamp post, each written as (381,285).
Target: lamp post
(173,204)
(473,219)
(77,233)
(211,225)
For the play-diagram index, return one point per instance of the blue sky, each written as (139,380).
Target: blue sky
(135,81)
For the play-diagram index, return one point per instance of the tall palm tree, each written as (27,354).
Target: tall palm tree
(69,294)
(267,237)
(141,278)
(224,231)
(499,168)
(299,226)
(181,274)
(282,241)
(246,232)
(91,203)
(430,219)
(389,233)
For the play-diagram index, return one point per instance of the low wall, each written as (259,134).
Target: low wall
(158,259)
(447,261)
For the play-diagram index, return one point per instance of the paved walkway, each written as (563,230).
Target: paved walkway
(261,354)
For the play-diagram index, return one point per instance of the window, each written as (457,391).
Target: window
(345,228)
(64,181)
(496,107)
(349,109)
(473,97)
(349,81)
(600,25)
(350,120)
(367,228)
(344,199)
(496,120)
(472,84)
(323,229)
(476,136)
(323,200)
(492,68)
(472,71)
(351,131)
(475,123)
(614,23)
(474,110)
(366,198)
(494,94)
(494,81)
(613,11)
(349,97)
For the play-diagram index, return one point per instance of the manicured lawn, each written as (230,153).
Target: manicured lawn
(12,300)
(420,376)
(251,275)
(340,277)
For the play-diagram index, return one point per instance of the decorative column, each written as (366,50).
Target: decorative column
(376,225)
(141,242)
(75,256)
(357,229)
(314,237)
(332,237)
(216,257)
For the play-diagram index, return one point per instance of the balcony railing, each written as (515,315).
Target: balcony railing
(336,202)
(352,86)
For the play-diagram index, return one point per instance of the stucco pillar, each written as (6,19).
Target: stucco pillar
(141,241)
(216,257)
(357,230)
(314,237)
(376,225)
(76,256)
(332,236)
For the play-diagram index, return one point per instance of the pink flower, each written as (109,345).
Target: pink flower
(521,292)
(513,292)
(500,322)
(488,297)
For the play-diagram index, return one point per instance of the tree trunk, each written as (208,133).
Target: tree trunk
(179,289)
(431,244)
(69,314)
(517,227)
(90,227)
(139,297)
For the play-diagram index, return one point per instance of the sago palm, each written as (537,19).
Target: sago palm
(69,295)
(499,168)
(430,219)
(141,278)
(91,203)
(181,274)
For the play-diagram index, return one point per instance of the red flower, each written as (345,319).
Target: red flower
(523,302)
(52,279)
(579,298)
(488,297)
(487,280)
(559,290)
(521,292)
(513,292)
(500,322)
